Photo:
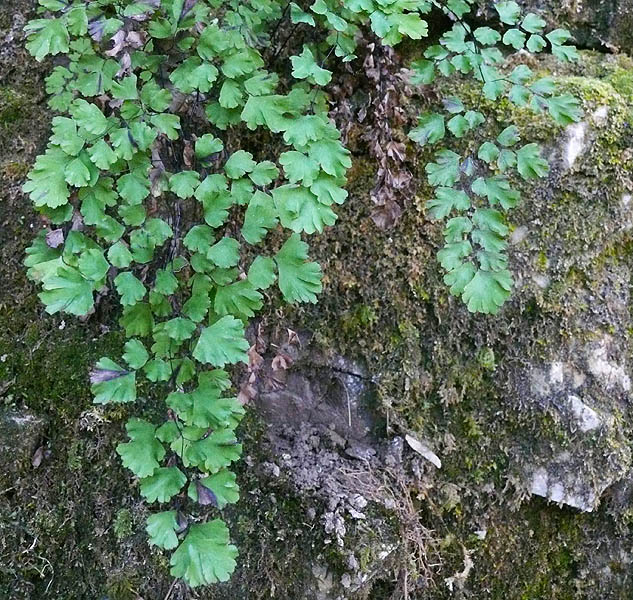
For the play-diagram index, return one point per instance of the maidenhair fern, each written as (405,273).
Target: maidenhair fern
(471,189)
(149,195)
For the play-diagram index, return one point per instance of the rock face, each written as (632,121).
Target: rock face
(534,403)
(587,384)
(397,444)
(584,392)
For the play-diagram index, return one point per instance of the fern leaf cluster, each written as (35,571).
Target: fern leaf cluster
(124,164)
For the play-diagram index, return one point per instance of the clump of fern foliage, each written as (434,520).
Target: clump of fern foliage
(147,195)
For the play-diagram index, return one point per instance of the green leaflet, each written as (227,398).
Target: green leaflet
(66,137)
(299,168)
(222,343)
(222,485)
(67,291)
(143,453)
(532,23)
(47,37)
(333,157)
(450,257)
(133,188)
(297,15)
(509,136)
(136,354)
(42,260)
(444,172)
(264,173)
(557,39)
(299,280)
(102,155)
(78,172)
(179,328)
(137,320)
(166,282)
(530,164)
(509,12)
(498,191)
(130,288)
(194,74)
(487,291)
(515,38)
(240,299)
(535,43)
(184,184)
(305,66)
(564,109)
(199,238)
(231,95)
(261,273)
(203,407)
(205,555)
(225,253)
(161,529)
(430,129)
(240,163)
(162,484)
(92,265)
(486,36)
(446,199)
(260,217)
(112,384)
(208,145)
(210,453)
(46,183)
(300,210)
(89,117)
(488,152)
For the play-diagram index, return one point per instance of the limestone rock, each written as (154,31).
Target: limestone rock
(564,481)
(583,393)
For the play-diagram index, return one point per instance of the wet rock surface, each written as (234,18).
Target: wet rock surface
(586,387)
(584,394)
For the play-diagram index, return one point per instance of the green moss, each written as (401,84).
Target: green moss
(542,262)
(622,81)
(551,544)
(12,105)
(123,524)
(123,586)
(362,318)
(15,170)
(486,358)
(445,376)
(75,455)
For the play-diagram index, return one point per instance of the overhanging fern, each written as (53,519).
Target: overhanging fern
(151,99)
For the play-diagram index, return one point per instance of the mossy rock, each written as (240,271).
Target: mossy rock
(431,358)
(73,528)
